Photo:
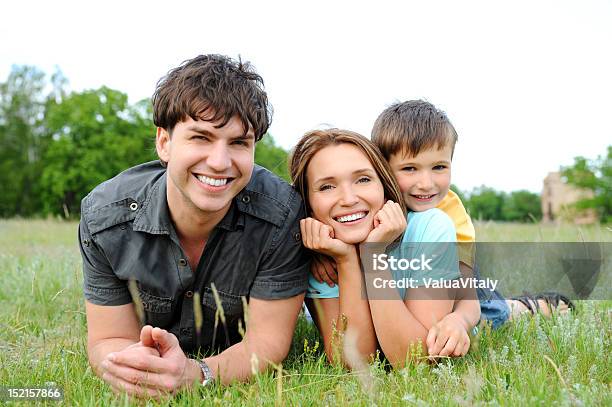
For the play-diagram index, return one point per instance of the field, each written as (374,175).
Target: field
(564,360)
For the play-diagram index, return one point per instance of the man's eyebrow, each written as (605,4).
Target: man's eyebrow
(206,132)
(198,129)
(246,136)
(362,170)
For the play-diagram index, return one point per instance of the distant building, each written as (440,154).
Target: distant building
(558,198)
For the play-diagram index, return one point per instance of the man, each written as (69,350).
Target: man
(203,222)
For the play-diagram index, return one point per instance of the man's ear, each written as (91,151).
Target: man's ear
(162,144)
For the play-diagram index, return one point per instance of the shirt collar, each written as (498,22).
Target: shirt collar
(154,216)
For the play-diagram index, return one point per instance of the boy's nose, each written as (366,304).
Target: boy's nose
(424,182)
(219,158)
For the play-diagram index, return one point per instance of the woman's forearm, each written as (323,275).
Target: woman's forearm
(355,308)
(397,329)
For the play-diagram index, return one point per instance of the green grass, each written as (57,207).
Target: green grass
(564,360)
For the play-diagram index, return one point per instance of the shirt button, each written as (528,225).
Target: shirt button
(184,331)
(246,199)
(134,206)
(189,294)
(297,236)
(182,262)
(86,242)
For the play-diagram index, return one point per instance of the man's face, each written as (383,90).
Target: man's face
(424,179)
(207,166)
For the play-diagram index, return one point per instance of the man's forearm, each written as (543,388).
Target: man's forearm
(98,351)
(240,361)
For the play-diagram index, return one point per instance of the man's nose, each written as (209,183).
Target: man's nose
(219,158)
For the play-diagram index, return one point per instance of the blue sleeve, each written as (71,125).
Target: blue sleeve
(320,290)
(431,237)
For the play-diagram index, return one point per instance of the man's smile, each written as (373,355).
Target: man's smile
(214,183)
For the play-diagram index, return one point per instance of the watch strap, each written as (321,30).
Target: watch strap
(206,372)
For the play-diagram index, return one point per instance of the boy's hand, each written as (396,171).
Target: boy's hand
(448,337)
(389,223)
(324,269)
(319,237)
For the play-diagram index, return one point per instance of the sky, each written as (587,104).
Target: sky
(527,84)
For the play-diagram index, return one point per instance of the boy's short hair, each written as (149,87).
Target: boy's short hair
(212,88)
(412,126)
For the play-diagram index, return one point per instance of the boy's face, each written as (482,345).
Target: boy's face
(424,179)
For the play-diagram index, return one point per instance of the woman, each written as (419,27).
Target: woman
(352,198)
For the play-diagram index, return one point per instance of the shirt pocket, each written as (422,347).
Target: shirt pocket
(158,310)
(228,333)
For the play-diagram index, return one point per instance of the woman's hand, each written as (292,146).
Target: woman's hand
(319,237)
(389,223)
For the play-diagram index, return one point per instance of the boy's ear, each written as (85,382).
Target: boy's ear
(162,144)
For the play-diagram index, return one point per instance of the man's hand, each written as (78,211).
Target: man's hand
(152,367)
(448,337)
(324,269)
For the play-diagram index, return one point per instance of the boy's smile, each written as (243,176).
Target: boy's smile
(424,179)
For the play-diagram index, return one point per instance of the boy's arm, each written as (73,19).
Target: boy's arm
(450,336)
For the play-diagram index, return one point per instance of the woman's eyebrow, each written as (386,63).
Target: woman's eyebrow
(360,171)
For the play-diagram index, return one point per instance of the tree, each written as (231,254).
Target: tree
(22,140)
(95,135)
(486,203)
(594,175)
(522,206)
(272,157)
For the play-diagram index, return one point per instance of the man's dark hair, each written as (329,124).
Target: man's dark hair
(212,88)
(411,126)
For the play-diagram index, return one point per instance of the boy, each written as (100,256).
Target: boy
(418,140)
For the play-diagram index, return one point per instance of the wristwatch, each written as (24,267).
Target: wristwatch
(206,372)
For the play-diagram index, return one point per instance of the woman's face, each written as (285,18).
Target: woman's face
(344,191)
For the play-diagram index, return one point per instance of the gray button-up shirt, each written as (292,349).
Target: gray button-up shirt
(256,251)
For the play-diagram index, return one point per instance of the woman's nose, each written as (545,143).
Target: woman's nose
(348,196)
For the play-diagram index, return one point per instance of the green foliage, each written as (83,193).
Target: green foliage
(22,138)
(594,175)
(522,206)
(272,157)
(96,135)
(485,203)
